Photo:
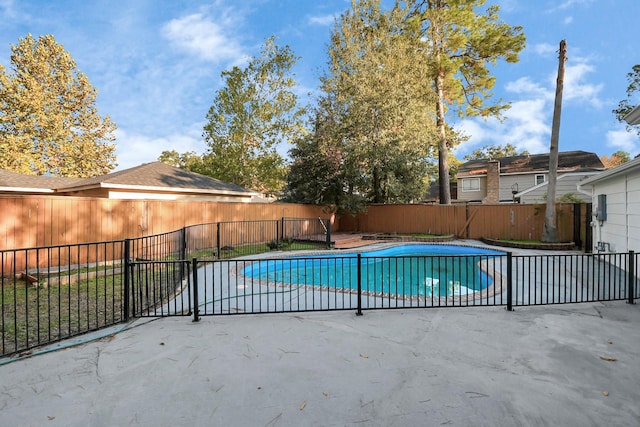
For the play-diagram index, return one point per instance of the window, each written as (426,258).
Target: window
(471,184)
(540,178)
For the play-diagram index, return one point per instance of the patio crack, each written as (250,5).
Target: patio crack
(97,365)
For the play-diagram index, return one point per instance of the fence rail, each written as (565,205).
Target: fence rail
(70,291)
(367,283)
(79,288)
(51,293)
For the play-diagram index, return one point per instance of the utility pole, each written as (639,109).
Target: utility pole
(550,232)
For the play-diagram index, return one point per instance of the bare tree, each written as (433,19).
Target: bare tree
(550,232)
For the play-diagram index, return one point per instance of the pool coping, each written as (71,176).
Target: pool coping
(495,289)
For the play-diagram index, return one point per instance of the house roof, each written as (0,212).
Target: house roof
(633,116)
(17,182)
(613,172)
(568,161)
(155,176)
(561,177)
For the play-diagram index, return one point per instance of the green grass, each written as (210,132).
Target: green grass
(32,316)
(88,298)
(254,249)
(79,301)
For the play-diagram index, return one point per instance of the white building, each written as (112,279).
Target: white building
(525,178)
(616,207)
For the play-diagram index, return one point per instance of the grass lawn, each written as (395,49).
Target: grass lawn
(72,302)
(36,315)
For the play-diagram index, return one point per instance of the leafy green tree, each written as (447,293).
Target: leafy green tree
(319,172)
(373,109)
(188,160)
(616,159)
(626,105)
(460,42)
(495,152)
(49,123)
(255,111)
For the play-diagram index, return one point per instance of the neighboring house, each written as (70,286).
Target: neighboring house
(148,181)
(616,207)
(633,116)
(16,183)
(524,179)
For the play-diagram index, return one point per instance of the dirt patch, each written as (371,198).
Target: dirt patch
(564,246)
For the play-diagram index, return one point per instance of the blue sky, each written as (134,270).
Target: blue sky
(157,64)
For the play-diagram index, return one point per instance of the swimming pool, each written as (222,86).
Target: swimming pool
(408,270)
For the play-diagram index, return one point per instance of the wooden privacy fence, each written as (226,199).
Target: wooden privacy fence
(39,221)
(34,221)
(512,222)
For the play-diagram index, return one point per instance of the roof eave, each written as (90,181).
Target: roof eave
(633,116)
(26,190)
(176,189)
(611,173)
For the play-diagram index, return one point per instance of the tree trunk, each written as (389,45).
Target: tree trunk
(443,150)
(550,232)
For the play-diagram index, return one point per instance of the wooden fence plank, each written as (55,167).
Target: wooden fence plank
(30,221)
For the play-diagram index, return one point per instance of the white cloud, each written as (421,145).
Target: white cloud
(570,3)
(205,37)
(525,86)
(568,20)
(575,85)
(324,20)
(527,123)
(525,127)
(7,8)
(144,149)
(620,139)
(544,49)
(10,13)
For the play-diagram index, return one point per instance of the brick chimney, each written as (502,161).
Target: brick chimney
(493,183)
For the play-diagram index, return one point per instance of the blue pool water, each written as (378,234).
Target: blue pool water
(408,270)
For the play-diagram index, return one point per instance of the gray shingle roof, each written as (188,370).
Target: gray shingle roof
(17,180)
(568,161)
(157,175)
(149,176)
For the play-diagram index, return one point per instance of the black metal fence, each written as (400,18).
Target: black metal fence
(67,291)
(52,293)
(356,282)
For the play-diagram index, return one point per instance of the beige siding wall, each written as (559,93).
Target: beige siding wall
(621,230)
(566,184)
(472,195)
(523,181)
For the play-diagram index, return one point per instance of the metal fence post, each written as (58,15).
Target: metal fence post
(127,271)
(196,307)
(278,233)
(328,227)
(219,254)
(359,278)
(282,230)
(509,282)
(632,277)
(183,250)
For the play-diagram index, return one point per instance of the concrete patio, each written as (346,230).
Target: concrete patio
(569,365)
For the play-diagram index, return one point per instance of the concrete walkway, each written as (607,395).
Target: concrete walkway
(573,365)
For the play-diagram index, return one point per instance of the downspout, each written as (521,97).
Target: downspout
(626,209)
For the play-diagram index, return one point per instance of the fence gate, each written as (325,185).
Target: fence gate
(158,289)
